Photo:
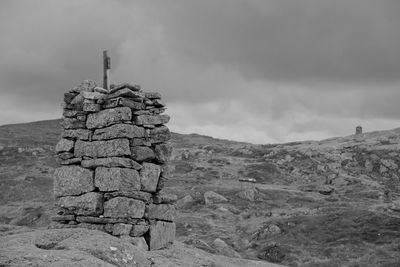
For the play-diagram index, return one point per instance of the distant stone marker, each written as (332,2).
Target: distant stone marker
(114,163)
(358,130)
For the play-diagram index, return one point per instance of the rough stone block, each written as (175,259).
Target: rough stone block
(98,227)
(115,88)
(139,142)
(126,92)
(93,95)
(101,149)
(91,107)
(131,104)
(89,204)
(164,198)
(68,113)
(68,97)
(138,242)
(152,95)
(149,175)
(146,197)
(160,235)
(159,135)
(81,134)
(111,162)
(165,212)
(108,117)
(73,123)
(122,207)
(151,119)
(64,145)
(116,179)
(119,131)
(139,228)
(142,153)
(163,152)
(72,180)
(121,229)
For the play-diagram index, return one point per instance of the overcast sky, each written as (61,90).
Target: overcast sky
(262,71)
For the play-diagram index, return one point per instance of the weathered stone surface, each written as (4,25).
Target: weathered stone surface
(156,110)
(93,95)
(98,227)
(108,117)
(111,162)
(65,155)
(71,161)
(89,204)
(72,180)
(122,207)
(113,179)
(85,86)
(139,142)
(64,145)
(100,90)
(158,103)
(151,119)
(126,92)
(119,131)
(165,198)
(115,88)
(72,113)
(146,197)
(185,201)
(149,175)
(81,134)
(161,235)
(68,97)
(91,107)
(63,217)
(210,197)
(131,104)
(165,212)
(139,242)
(152,95)
(159,134)
(139,228)
(121,229)
(142,153)
(104,220)
(78,99)
(163,152)
(111,148)
(73,123)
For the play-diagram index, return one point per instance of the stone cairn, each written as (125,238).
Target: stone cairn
(114,154)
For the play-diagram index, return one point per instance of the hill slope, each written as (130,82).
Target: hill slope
(333,202)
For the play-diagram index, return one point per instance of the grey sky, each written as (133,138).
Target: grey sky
(252,70)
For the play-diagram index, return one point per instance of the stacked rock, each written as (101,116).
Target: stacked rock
(114,153)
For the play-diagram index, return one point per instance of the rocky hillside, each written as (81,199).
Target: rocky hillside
(333,202)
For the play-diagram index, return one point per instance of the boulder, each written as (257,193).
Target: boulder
(142,153)
(89,204)
(116,179)
(159,135)
(108,117)
(64,145)
(165,212)
(123,207)
(111,148)
(151,119)
(224,249)
(81,134)
(160,235)
(185,201)
(72,180)
(149,175)
(138,242)
(111,162)
(210,197)
(119,131)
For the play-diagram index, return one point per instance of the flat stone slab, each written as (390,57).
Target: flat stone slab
(111,162)
(81,134)
(146,197)
(102,149)
(119,131)
(161,235)
(72,180)
(89,204)
(122,207)
(165,212)
(159,134)
(142,153)
(126,92)
(116,179)
(108,117)
(64,145)
(149,175)
(151,119)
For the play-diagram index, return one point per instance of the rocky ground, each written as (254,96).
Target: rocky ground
(315,203)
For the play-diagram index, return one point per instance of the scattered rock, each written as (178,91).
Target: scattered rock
(210,197)
(224,249)
(185,201)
